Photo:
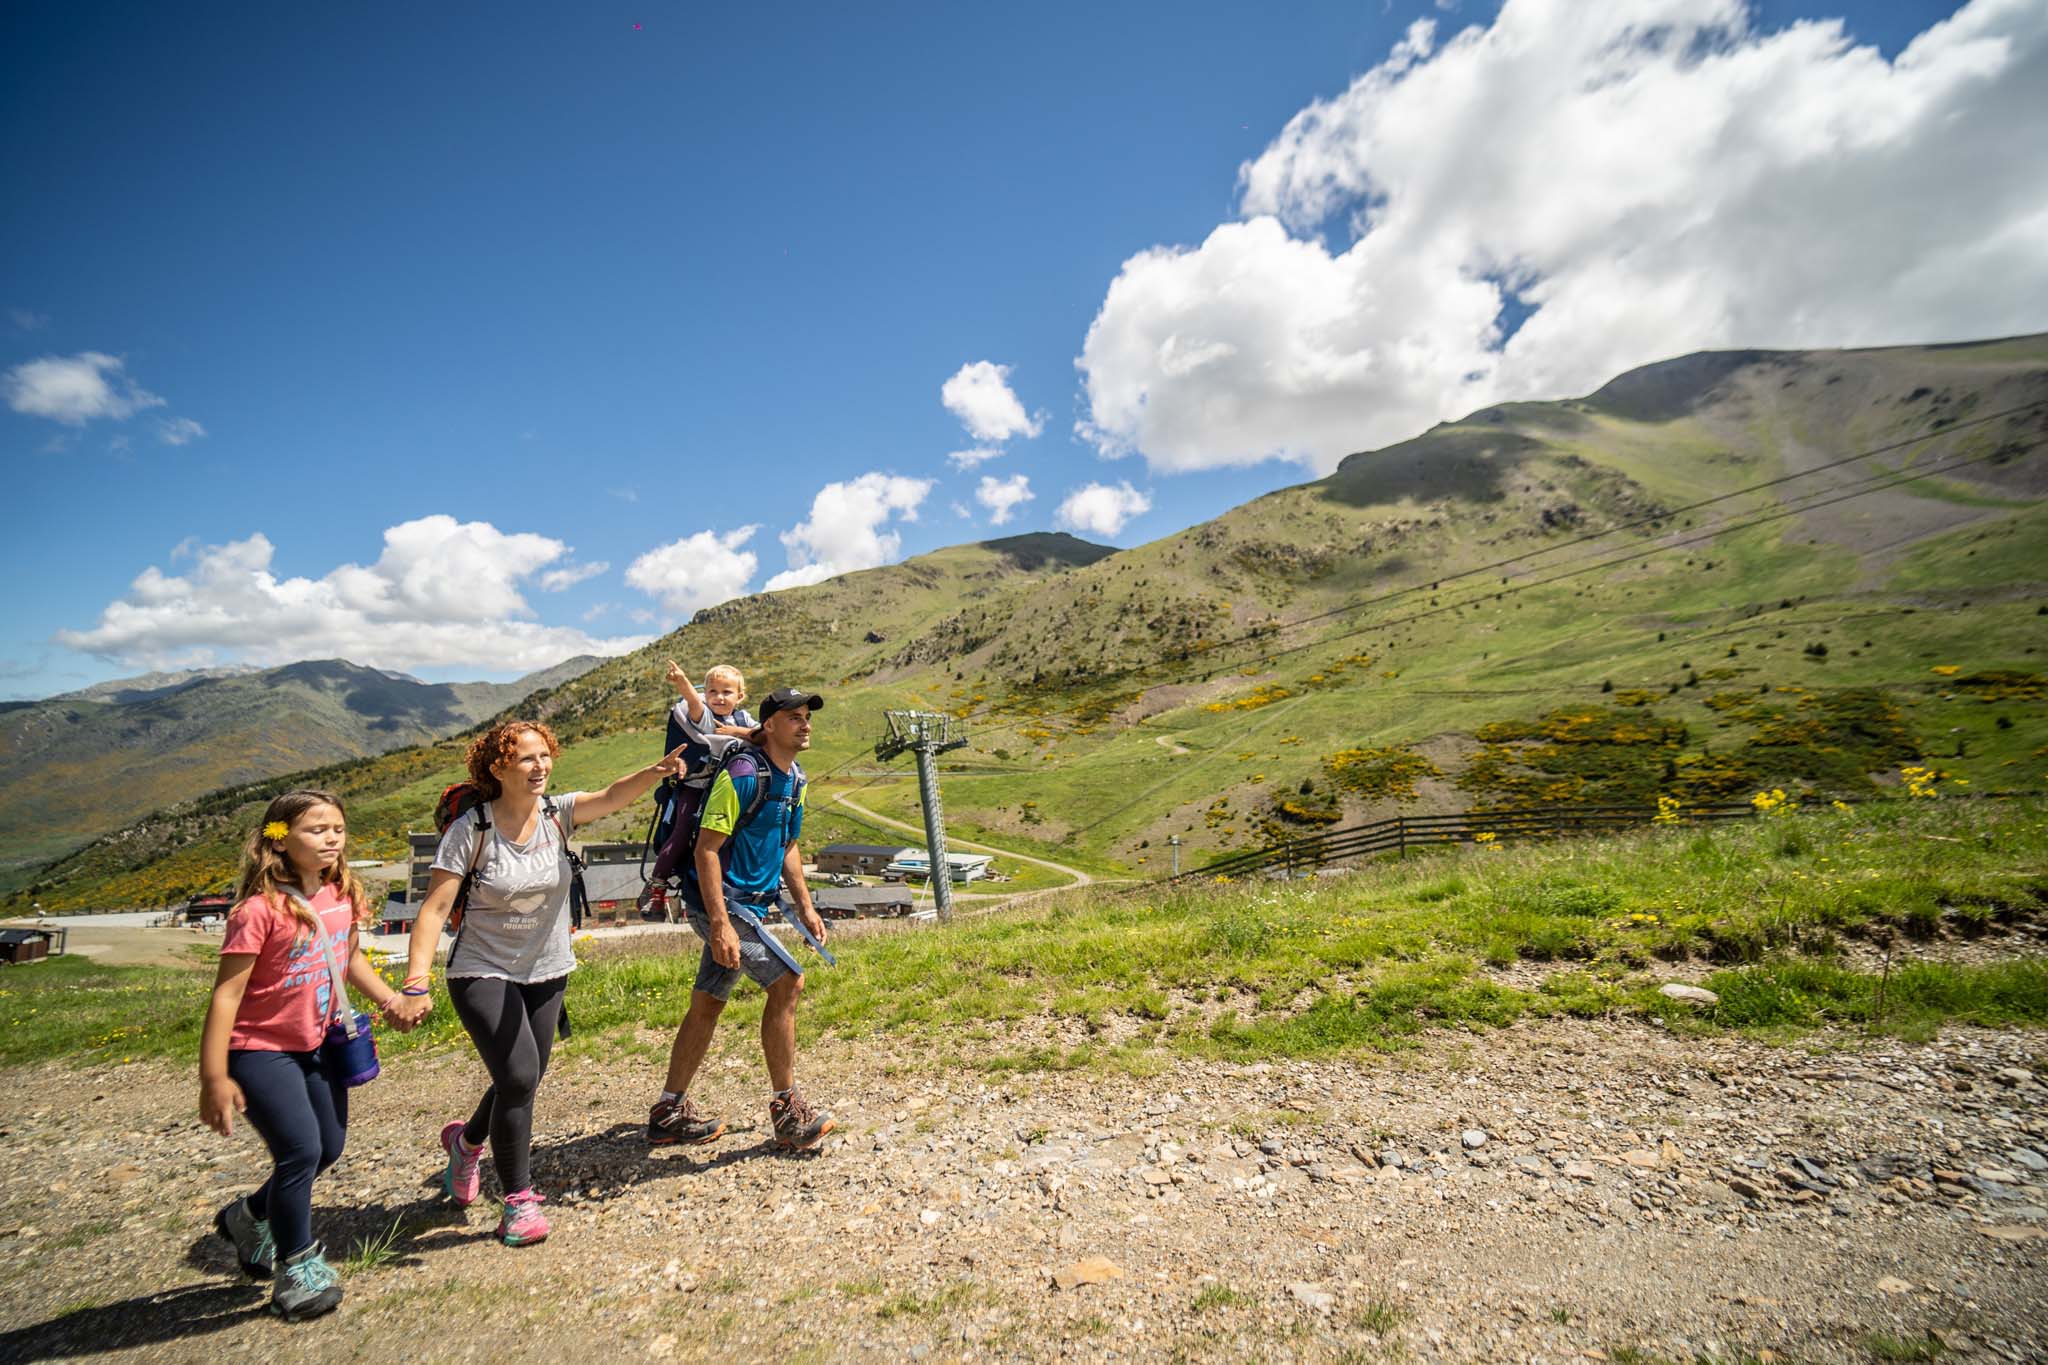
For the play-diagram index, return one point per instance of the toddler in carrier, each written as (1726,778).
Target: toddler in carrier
(705,724)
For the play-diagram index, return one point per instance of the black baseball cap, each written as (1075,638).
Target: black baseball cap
(788,699)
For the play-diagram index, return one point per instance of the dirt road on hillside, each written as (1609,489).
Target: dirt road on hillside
(1545,1193)
(1079,877)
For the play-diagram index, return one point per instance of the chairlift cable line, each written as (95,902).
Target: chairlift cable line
(1586,538)
(1724,528)
(1571,573)
(1893,479)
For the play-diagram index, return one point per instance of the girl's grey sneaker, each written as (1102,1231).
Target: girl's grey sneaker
(250,1236)
(305,1286)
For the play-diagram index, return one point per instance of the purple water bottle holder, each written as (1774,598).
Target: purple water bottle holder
(348,1052)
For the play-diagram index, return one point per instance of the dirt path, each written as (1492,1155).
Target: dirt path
(1631,1190)
(1079,877)
(1167,743)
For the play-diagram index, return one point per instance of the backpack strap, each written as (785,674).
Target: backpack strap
(339,1011)
(460,910)
(579,899)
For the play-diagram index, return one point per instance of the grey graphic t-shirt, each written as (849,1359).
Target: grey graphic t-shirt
(517,924)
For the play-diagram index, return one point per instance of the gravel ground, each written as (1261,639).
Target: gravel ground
(1551,1191)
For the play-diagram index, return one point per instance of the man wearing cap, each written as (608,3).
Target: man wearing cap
(746,854)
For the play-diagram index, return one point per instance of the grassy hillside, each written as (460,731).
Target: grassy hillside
(81,764)
(1684,585)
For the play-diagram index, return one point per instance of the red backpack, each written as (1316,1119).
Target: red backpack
(456,801)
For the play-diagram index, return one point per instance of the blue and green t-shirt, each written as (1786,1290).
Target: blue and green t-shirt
(752,858)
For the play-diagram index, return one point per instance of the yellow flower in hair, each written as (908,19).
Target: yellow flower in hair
(276,829)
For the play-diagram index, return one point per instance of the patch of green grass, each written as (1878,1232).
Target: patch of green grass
(1634,1355)
(866,1287)
(379,1249)
(959,1294)
(84,1234)
(1913,1002)
(1881,1346)
(1218,1296)
(1381,1316)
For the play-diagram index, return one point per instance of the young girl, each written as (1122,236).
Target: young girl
(298,913)
(512,959)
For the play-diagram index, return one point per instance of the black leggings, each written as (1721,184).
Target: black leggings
(513,1027)
(301,1113)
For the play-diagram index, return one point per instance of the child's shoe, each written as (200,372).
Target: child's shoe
(250,1237)
(523,1223)
(305,1286)
(464,1177)
(797,1126)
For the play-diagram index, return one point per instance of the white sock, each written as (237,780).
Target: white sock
(669,1097)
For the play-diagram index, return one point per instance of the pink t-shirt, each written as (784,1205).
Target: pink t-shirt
(290,998)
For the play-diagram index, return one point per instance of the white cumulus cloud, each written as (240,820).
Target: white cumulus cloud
(1002,497)
(1645,177)
(844,530)
(442,594)
(979,394)
(569,575)
(1101,509)
(697,571)
(179,431)
(75,389)
(968,459)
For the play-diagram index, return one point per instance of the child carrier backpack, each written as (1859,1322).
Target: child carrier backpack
(679,815)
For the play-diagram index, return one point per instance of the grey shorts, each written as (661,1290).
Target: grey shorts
(755,960)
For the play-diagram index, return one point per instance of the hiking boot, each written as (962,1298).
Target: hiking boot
(671,1121)
(305,1286)
(463,1179)
(797,1126)
(522,1223)
(250,1236)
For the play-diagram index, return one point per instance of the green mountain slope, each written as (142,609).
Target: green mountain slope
(78,765)
(1686,584)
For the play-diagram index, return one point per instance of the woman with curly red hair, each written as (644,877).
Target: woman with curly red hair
(512,958)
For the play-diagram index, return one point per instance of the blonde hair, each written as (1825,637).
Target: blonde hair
(739,682)
(267,871)
(498,745)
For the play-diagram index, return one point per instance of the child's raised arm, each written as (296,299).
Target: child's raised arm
(680,681)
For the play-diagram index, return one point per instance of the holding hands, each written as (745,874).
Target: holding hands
(405,1012)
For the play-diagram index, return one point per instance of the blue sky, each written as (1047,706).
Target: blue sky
(559,286)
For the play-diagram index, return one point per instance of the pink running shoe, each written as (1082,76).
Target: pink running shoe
(463,1180)
(523,1223)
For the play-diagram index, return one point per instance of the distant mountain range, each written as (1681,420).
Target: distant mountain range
(1714,575)
(76,765)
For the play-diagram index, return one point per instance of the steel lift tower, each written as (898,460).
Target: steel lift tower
(927,734)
